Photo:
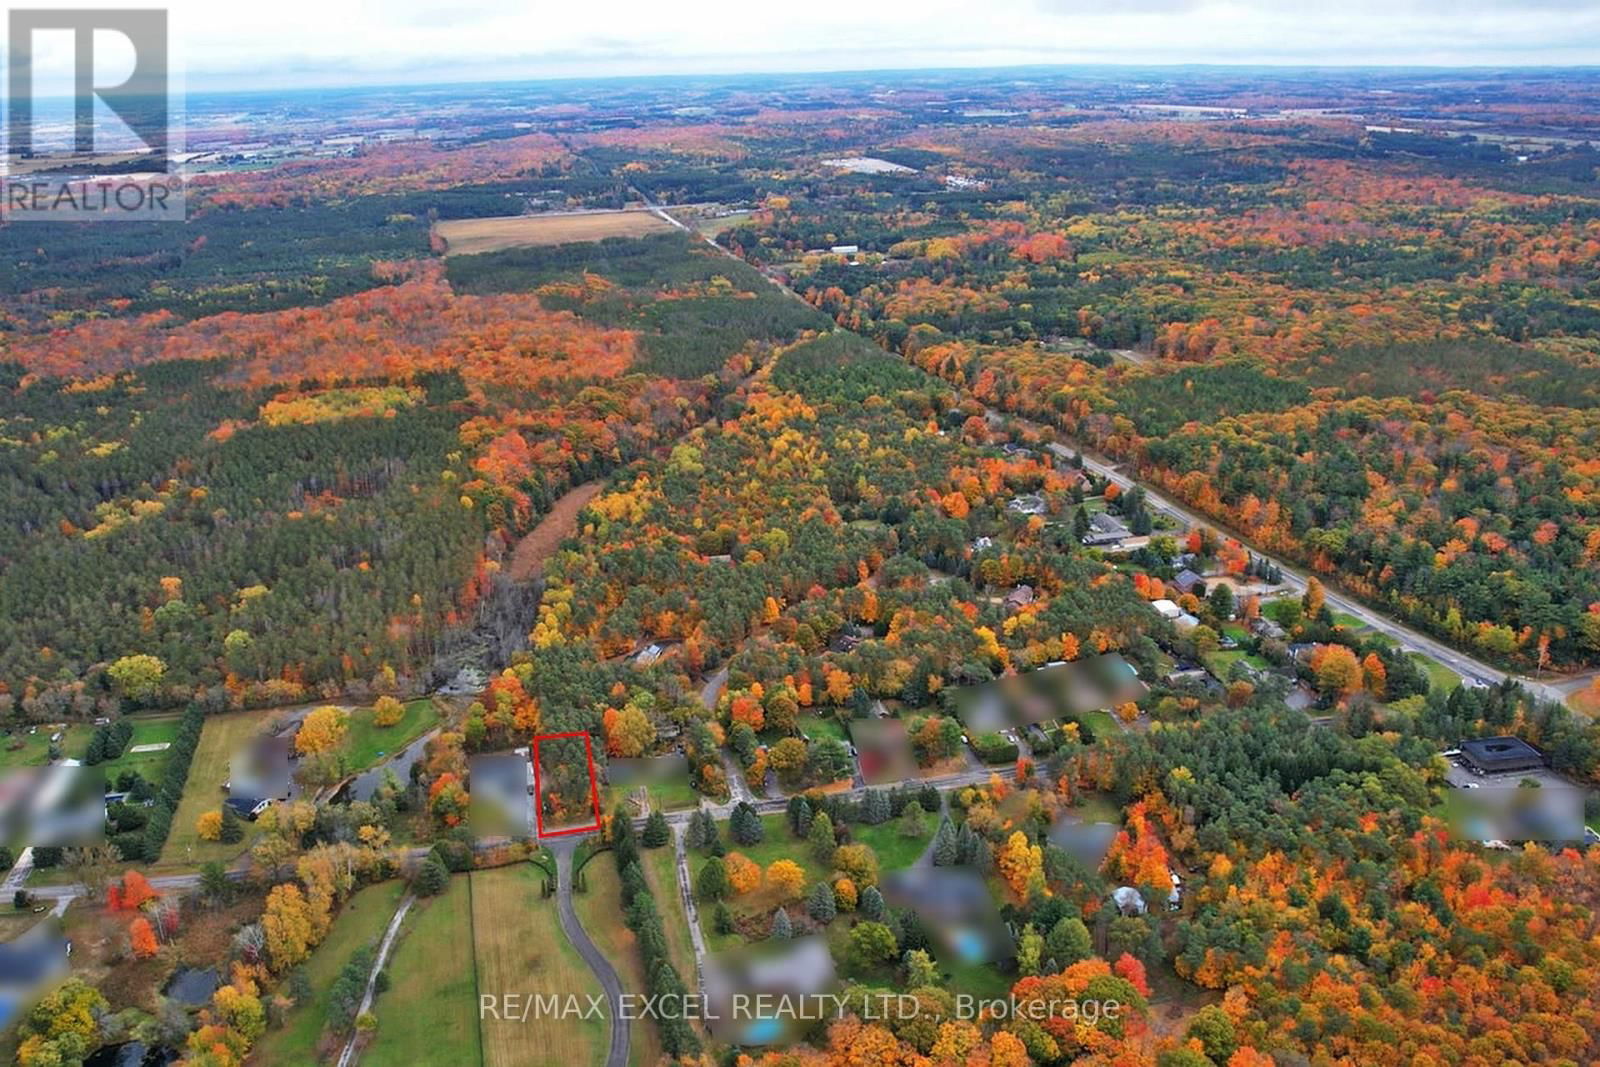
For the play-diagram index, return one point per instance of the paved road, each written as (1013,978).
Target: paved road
(610,984)
(1295,580)
(713,689)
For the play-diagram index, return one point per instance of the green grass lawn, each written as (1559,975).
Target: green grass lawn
(431,1002)
(777,844)
(155,730)
(516,944)
(1348,621)
(979,979)
(1101,723)
(360,922)
(676,795)
(33,749)
(894,850)
(222,737)
(1097,807)
(820,726)
(1220,662)
(661,871)
(1440,677)
(367,742)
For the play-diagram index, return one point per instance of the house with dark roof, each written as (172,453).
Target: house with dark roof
(1186,580)
(248,807)
(1501,755)
(1105,529)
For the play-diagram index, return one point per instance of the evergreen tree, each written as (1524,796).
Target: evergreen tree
(782,930)
(871,905)
(966,846)
(745,826)
(694,835)
(821,838)
(875,808)
(820,904)
(712,882)
(722,920)
(432,877)
(232,827)
(930,799)
(656,831)
(800,815)
(944,846)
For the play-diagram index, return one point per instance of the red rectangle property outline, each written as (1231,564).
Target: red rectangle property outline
(594,785)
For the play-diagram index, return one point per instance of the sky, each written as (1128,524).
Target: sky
(324,43)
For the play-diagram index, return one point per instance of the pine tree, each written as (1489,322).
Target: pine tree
(966,846)
(712,882)
(232,828)
(931,800)
(782,930)
(820,904)
(821,838)
(432,877)
(745,826)
(800,816)
(695,835)
(871,906)
(722,920)
(655,830)
(875,809)
(944,846)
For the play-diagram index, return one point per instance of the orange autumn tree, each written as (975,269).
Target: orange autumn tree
(744,874)
(1136,856)
(131,893)
(142,938)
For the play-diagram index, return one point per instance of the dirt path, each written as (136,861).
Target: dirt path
(561,523)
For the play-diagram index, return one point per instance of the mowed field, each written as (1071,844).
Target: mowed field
(360,922)
(431,1006)
(222,737)
(469,236)
(522,950)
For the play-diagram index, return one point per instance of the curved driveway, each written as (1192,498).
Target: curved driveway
(610,984)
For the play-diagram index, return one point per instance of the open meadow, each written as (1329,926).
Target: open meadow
(471,236)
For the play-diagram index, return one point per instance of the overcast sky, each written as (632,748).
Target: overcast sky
(283,43)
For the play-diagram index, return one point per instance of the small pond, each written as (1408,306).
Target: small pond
(192,986)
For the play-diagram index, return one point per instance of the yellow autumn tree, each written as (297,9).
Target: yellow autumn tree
(787,878)
(323,729)
(209,826)
(387,711)
(1020,863)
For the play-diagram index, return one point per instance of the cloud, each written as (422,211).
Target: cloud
(333,42)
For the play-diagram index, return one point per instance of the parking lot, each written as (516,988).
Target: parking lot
(1462,777)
